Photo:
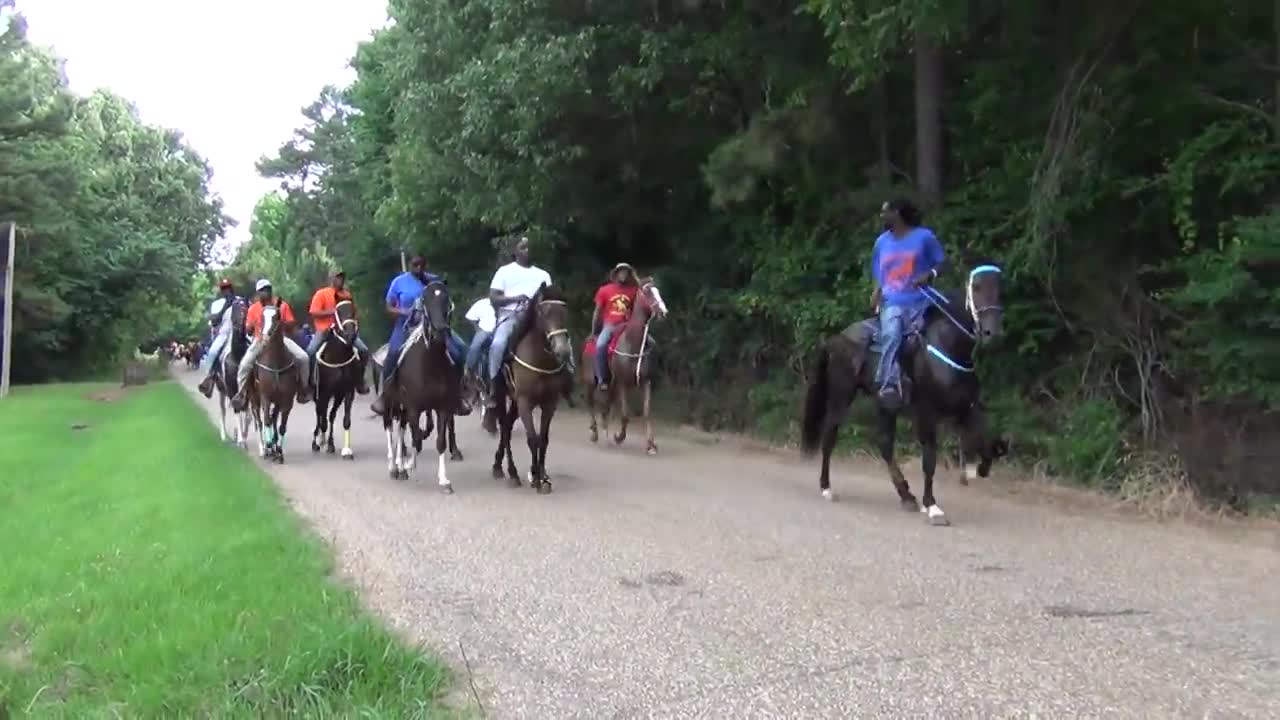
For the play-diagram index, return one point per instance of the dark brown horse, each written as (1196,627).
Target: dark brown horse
(425,381)
(630,366)
(939,364)
(534,378)
(224,375)
(375,362)
(338,368)
(273,386)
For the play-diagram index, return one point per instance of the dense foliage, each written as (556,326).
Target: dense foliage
(114,217)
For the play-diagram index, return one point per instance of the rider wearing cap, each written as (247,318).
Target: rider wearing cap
(613,303)
(253,324)
(403,292)
(220,318)
(324,313)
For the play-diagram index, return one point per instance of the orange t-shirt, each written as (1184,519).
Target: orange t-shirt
(326,300)
(253,318)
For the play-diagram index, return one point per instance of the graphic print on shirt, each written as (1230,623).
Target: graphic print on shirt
(619,304)
(897,267)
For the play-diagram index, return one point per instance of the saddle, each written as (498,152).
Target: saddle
(589,348)
(865,334)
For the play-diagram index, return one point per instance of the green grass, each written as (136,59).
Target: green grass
(148,571)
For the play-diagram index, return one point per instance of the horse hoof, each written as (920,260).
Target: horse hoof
(935,516)
(497,472)
(544,488)
(513,474)
(513,482)
(964,480)
(619,439)
(348,454)
(315,447)
(651,450)
(594,437)
(278,459)
(828,495)
(456,456)
(910,505)
(446,489)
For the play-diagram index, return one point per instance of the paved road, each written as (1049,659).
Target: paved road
(712,581)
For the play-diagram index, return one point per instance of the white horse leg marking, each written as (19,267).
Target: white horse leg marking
(971,471)
(935,516)
(442,477)
(391,456)
(828,495)
(346,444)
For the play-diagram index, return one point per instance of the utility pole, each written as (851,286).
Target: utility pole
(6,292)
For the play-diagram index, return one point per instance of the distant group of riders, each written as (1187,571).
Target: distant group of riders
(932,334)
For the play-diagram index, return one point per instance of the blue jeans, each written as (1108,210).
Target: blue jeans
(215,349)
(498,346)
(602,349)
(318,339)
(475,353)
(895,322)
(400,332)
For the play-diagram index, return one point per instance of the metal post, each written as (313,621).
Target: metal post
(6,330)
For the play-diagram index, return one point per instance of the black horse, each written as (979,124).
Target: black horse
(425,381)
(338,369)
(224,375)
(938,365)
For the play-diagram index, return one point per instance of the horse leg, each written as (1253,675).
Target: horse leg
(331,420)
(830,434)
(222,413)
(544,440)
(415,435)
(318,434)
(347,452)
(283,429)
(393,467)
(888,436)
(590,392)
(262,432)
(531,438)
(651,445)
(621,391)
(927,432)
(442,445)
(454,453)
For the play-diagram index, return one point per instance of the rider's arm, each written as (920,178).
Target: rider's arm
(934,256)
(496,294)
(392,300)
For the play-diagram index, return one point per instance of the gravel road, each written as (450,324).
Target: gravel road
(712,581)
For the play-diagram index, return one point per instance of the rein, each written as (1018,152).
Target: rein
(515,355)
(939,301)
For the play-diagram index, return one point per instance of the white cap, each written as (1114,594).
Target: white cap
(263,283)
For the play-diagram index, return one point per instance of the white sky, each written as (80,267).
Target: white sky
(232,75)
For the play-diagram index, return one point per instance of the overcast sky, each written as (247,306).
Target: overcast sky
(232,75)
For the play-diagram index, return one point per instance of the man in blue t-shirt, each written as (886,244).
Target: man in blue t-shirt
(404,290)
(905,259)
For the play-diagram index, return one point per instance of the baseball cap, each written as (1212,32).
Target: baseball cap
(263,283)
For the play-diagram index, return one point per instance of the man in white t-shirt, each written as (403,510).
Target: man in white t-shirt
(219,317)
(484,319)
(510,290)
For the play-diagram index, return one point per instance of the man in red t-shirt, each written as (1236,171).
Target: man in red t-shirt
(613,304)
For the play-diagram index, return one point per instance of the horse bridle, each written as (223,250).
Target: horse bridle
(275,328)
(547,335)
(969,303)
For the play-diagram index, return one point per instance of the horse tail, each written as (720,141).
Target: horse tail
(815,404)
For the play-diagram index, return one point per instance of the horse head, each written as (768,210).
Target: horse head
(345,325)
(650,299)
(982,300)
(271,323)
(551,317)
(436,308)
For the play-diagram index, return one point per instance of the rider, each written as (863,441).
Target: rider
(403,292)
(513,285)
(484,319)
(220,319)
(253,324)
(905,259)
(324,313)
(613,303)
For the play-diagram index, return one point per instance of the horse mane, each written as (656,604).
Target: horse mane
(525,319)
(239,343)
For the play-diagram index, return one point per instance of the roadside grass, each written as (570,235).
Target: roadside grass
(148,571)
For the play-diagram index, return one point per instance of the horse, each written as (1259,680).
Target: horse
(337,372)
(534,378)
(425,381)
(629,365)
(274,385)
(194,353)
(939,363)
(224,376)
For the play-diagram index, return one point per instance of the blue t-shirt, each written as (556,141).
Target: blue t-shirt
(406,288)
(895,262)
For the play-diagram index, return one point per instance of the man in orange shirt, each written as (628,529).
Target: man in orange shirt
(324,313)
(253,324)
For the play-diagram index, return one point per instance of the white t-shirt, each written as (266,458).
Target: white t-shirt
(515,279)
(216,306)
(482,314)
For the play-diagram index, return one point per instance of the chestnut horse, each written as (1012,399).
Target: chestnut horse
(273,385)
(630,365)
(535,378)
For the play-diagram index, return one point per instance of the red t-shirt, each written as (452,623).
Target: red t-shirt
(615,302)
